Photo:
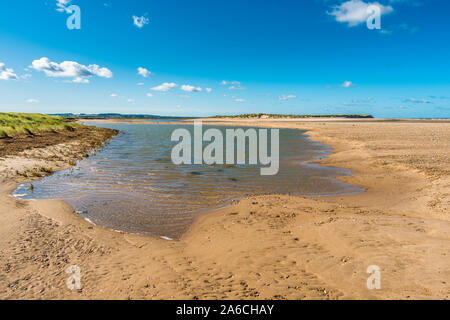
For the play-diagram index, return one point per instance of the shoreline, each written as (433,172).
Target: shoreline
(315,161)
(214,238)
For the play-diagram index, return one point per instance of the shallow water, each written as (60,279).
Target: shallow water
(131,185)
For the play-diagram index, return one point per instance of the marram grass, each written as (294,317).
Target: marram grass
(12,124)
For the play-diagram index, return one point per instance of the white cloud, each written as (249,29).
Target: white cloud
(209,90)
(140,21)
(286,97)
(165,87)
(239,100)
(234,85)
(354,12)
(140,84)
(114,95)
(189,88)
(131,101)
(32,101)
(149,95)
(70,69)
(143,72)
(359,102)
(348,84)
(7,73)
(80,80)
(414,100)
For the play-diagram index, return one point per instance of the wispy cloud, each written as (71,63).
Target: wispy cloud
(360,102)
(440,97)
(406,27)
(61,5)
(286,97)
(414,100)
(32,101)
(80,80)
(234,85)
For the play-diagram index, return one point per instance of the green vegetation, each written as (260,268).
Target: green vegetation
(291,116)
(12,124)
(97,116)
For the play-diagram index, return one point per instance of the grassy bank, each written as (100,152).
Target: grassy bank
(13,124)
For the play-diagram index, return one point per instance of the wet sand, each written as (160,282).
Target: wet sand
(133,185)
(267,247)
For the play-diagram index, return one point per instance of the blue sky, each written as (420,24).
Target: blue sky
(207,57)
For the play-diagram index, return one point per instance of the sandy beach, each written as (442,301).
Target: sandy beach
(266,247)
